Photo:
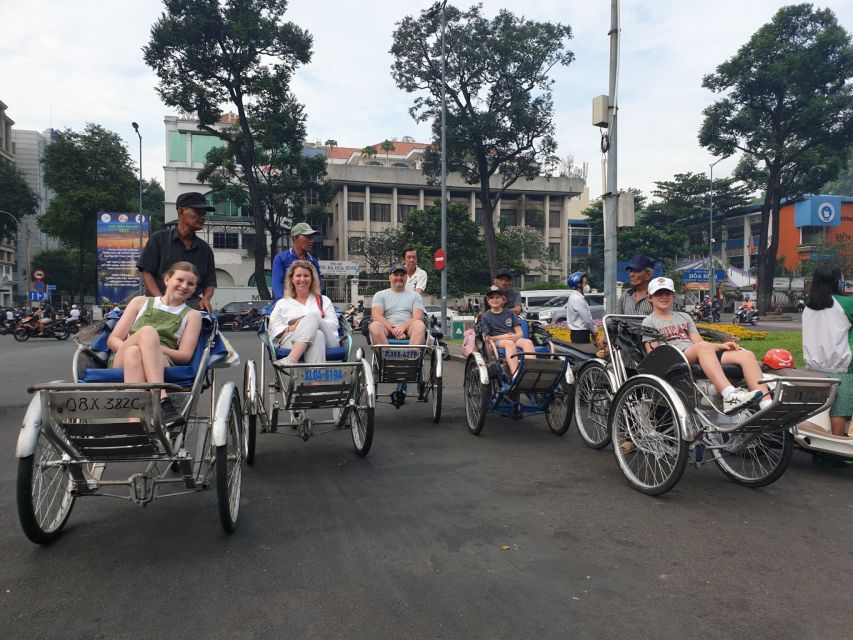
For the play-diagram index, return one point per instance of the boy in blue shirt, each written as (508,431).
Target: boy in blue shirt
(502,328)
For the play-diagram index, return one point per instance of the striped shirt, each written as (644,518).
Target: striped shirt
(628,306)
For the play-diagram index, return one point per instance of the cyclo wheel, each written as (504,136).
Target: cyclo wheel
(229,469)
(44,493)
(251,436)
(475,393)
(435,383)
(593,398)
(21,334)
(361,419)
(559,416)
(646,436)
(754,459)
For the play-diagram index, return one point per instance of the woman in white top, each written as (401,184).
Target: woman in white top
(303,320)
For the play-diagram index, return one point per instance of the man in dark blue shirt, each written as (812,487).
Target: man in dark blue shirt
(302,237)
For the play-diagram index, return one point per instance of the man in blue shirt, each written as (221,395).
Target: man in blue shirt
(302,238)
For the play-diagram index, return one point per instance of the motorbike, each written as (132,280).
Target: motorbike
(745,317)
(30,327)
(7,326)
(73,325)
(354,314)
(246,320)
(707,313)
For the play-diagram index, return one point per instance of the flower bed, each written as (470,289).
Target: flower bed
(735,330)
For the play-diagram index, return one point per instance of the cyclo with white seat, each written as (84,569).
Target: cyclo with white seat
(543,383)
(339,387)
(75,434)
(402,364)
(660,412)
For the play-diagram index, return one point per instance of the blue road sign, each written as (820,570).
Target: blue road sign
(37,296)
(51,287)
(38,285)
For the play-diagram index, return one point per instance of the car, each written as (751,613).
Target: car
(554,310)
(225,316)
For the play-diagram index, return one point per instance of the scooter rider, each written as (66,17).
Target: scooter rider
(578,317)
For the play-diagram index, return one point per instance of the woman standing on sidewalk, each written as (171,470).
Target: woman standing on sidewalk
(828,341)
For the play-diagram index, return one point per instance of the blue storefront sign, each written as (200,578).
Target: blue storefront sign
(818,211)
(701,275)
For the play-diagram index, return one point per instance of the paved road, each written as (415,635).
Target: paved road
(436,534)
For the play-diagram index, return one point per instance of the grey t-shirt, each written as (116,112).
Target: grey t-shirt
(675,330)
(498,324)
(398,307)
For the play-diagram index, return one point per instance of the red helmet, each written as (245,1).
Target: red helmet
(778,359)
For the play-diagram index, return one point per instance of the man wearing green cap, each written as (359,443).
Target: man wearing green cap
(302,238)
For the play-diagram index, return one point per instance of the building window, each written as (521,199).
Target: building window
(355,244)
(226,240)
(554,250)
(355,211)
(403,211)
(402,165)
(249,243)
(478,216)
(201,144)
(509,218)
(812,235)
(177,146)
(532,278)
(380,212)
(554,219)
(311,198)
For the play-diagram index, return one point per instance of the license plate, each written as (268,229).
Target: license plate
(74,404)
(402,354)
(322,375)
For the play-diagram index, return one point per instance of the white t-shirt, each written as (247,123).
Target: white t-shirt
(74,314)
(416,281)
(827,337)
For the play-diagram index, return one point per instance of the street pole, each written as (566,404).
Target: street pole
(444,327)
(612,195)
(139,135)
(711,231)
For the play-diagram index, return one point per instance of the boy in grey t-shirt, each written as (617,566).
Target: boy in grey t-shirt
(502,328)
(678,330)
(396,312)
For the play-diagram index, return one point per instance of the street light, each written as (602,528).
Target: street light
(711,231)
(431,14)
(139,135)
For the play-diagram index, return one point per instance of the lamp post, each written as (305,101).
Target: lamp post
(711,231)
(139,135)
(431,14)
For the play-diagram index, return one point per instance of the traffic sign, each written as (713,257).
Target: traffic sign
(37,296)
(51,287)
(38,274)
(38,285)
(439,259)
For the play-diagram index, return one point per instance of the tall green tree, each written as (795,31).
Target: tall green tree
(16,198)
(154,203)
(88,171)
(787,106)
(207,53)
(61,265)
(499,104)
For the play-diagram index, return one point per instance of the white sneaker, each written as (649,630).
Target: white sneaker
(740,397)
(283,362)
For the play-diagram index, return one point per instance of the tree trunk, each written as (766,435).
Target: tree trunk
(488,215)
(768,246)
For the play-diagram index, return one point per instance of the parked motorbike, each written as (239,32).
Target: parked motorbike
(745,317)
(7,326)
(30,327)
(354,314)
(707,313)
(247,320)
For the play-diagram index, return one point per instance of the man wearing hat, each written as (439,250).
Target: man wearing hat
(503,279)
(168,246)
(302,239)
(635,301)
(397,312)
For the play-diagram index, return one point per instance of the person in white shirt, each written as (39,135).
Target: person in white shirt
(578,317)
(74,314)
(303,320)
(416,278)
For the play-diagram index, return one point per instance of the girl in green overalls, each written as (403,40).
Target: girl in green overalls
(155,333)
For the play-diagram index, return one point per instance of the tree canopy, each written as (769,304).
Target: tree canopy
(16,197)
(499,104)
(787,106)
(88,171)
(207,53)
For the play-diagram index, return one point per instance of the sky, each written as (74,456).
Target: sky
(63,64)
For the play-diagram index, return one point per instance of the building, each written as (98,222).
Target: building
(374,192)
(7,246)
(29,153)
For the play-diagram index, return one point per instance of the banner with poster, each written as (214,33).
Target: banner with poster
(120,240)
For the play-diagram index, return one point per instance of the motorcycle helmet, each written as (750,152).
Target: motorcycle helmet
(73,306)
(574,280)
(778,359)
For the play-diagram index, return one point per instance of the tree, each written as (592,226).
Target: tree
(499,105)
(60,265)
(787,106)
(368,152)
(88,171)
(387,146)
(331,143)
(154,203)
(381,250)
(210,52)
(843,185)
(16,198)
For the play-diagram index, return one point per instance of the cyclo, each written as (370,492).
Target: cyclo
(339,388)
(543,383)
(660,412)
(75,434)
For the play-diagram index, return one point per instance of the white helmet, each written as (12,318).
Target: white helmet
(73,306)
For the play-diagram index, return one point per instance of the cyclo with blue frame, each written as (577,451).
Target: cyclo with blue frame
(660,413)
(75,434)
(339,388)
(543,383)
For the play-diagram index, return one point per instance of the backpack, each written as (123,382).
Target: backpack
(469,342)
